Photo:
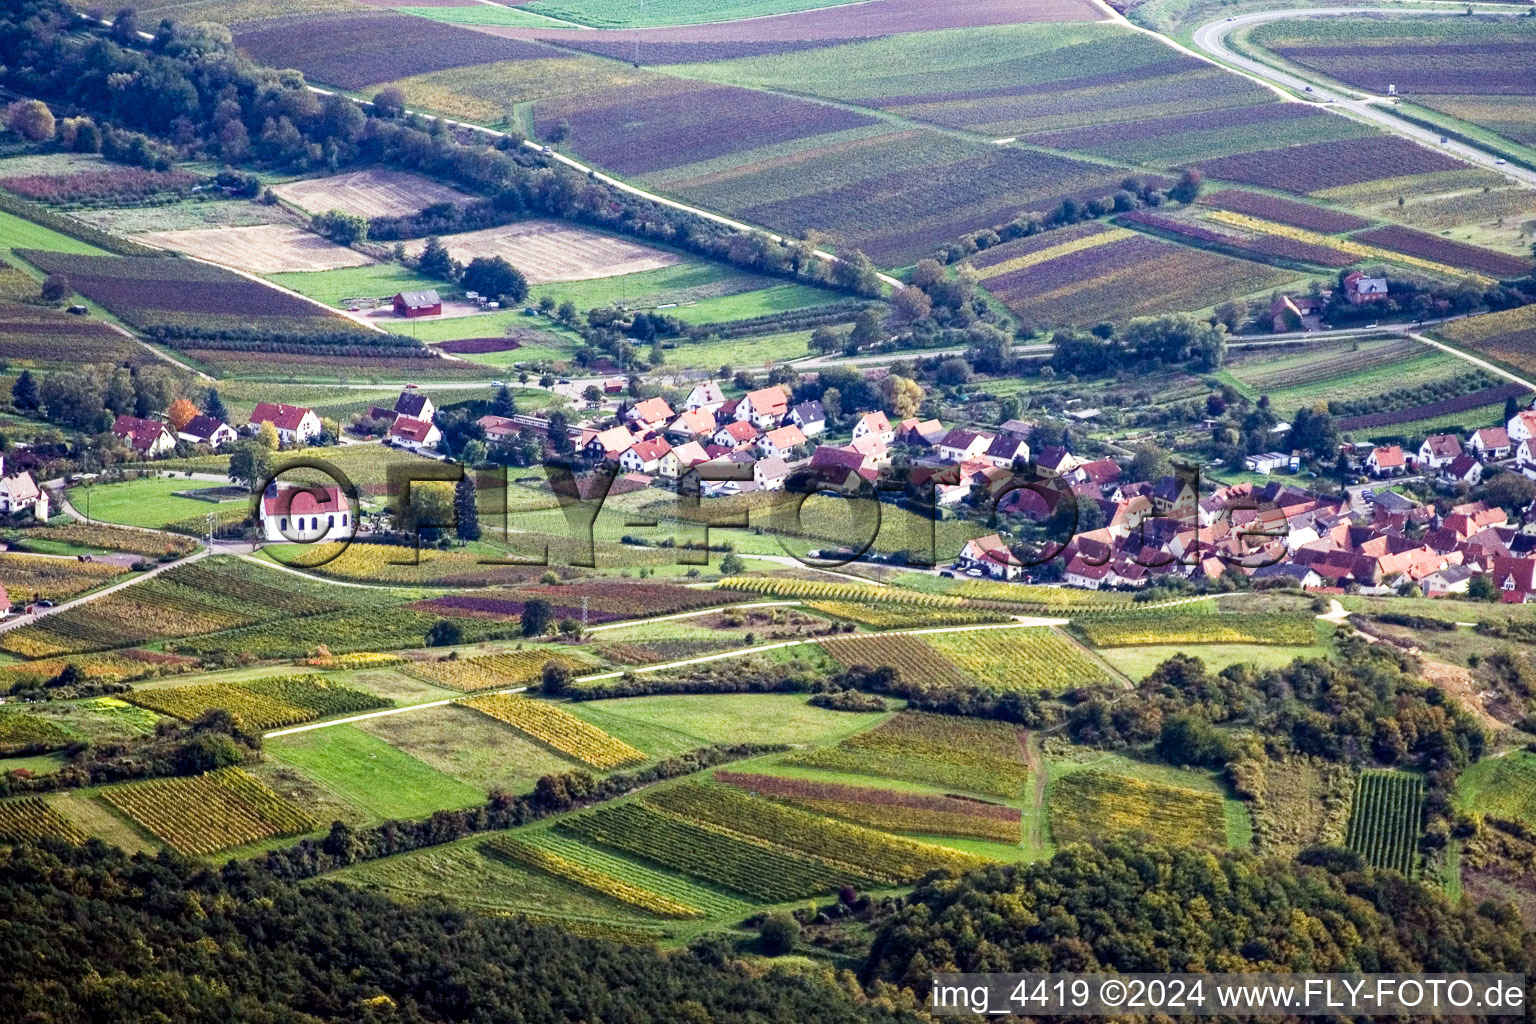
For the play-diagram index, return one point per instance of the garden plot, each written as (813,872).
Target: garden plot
(263,249)
(371,193)
(547,251)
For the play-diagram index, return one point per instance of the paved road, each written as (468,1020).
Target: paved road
(1212,38)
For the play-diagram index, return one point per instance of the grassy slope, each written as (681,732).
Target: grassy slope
(148,502)
(1501,786)
(367,772)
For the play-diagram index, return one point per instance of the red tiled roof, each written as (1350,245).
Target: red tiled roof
(283,417)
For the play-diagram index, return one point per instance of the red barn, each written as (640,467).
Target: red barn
(412,304)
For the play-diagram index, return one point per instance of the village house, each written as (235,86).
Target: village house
(649,415)
(1006,450)
(1386,461)
(763,408)
(207,430)
(736,434)
(681,459)
(305,513)
(874,424)
(1521,427)
(989,555)
(1358,288)
(609,444)
(769,474)
(693,424)
(1525,457)
(705,395)
(147,437)
(920,433)
(1438,451)
(415,404)
(644,456)
(1295,313)
(414,304)
(498,429)
(963,445)
(409,432)
(1490,443)
(294,424)
(810,417)
(1453,579)
(1463,471)
(19,494)
(780,441)
(1515,579)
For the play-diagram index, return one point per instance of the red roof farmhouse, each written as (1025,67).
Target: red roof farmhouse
(414,304)
(306,513)
(293,423)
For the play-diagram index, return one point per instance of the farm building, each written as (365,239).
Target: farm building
(416,405)
(207,430)
(1358,288)
(19,493)
(410,432)
(293,423)
(306,514)
(1266,462)
(989,555)
(414,304)
(145,436)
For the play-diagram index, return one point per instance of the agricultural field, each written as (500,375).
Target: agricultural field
(959,754)
(558,728)
(1303,802)
(678,888)
(1263,247)
(1131,275)
(263,703)
(1284,211)
(1500,787)
(1365,369)
(369,774)
(885,617)
(20,731)
(595,602)
(702,122)
(149,293)
(827,22)
(101,183)
(1036,659)
(1508,336)
(377,192)
(32,336)
(492,671)
(1444,251)
(1386,819)
(28,818)
(547,251)
(917,661)
(263,249)
(1319,167)
(1447,64)
(75,537)
(1092,804)
(895,194)
(1363,250)
(203,814)
(206,597)
(609,14)
(887,809)
(777,586)
(26,577)
(1175,627)
(150,502)
(607,885)
(354,51)
(1471,407)
(184,216)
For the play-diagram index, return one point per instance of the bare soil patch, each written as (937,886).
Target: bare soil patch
(547,251)
(371,193)
(263,249)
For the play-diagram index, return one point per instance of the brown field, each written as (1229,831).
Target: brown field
(548,251)
(263,249)
(372,193)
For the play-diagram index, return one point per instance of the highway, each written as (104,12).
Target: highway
(1212,39)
